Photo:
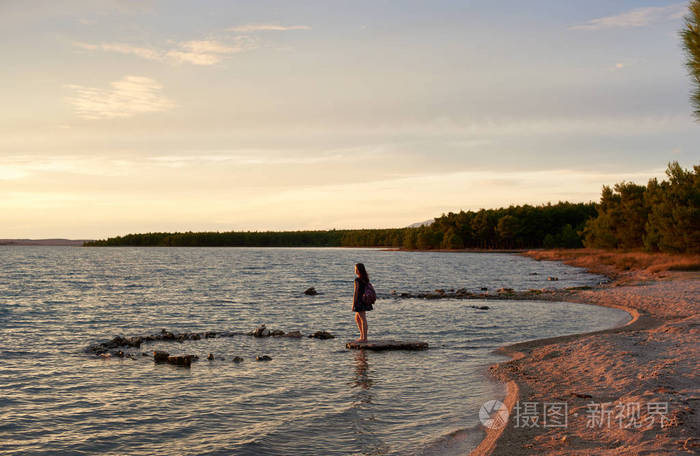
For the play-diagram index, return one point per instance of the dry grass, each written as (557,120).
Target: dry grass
(617,264)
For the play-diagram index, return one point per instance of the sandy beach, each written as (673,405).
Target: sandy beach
(631,390)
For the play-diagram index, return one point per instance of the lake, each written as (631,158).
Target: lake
(314,397)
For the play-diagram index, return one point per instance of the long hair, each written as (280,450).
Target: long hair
(363,272)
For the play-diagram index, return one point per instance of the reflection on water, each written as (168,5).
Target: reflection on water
(362,378)
(365,423)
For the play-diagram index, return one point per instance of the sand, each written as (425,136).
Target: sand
(632,390)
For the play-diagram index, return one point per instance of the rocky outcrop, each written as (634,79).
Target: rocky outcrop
(504,293)
(117,345)
(112,346)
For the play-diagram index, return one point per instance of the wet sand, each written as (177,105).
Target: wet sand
(631,390)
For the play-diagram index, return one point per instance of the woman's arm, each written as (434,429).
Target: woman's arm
(355,293)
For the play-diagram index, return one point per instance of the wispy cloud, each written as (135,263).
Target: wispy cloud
(176,161)
(252,28)
(122,48)
(126,97)
(638,17)
(195,52)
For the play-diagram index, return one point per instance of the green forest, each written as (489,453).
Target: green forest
(661,216)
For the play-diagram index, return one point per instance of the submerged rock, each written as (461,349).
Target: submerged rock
(382,345)
(322,335)
(263,358)
(277,333)
(160,356)
(181,360)
(480,307)
(237,359)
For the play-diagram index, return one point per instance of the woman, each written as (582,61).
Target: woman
(358,304)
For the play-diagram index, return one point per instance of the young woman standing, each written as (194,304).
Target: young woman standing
(358,304)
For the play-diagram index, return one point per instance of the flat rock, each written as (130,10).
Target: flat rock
(379,345)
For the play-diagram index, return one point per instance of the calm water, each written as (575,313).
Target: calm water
(314,397)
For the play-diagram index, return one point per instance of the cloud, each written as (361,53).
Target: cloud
(195,52)
(122,48)
(638,17)
(208,52)
(252,28)
(176,161)
(127,97)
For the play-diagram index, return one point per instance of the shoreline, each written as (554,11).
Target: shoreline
(650,359)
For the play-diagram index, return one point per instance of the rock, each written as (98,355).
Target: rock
(144,354)
(210,335)
(263,358)
(480,307)
(210,357)
(311,291)
(322,335)
(160,356)
(552,278)
(294,334)
(277,333)
(260,331)
(237,359)
(115,342)
(440,291)
(381,345)
(484,288)
(181,360)
(105,355)
(505,290)
(119,354)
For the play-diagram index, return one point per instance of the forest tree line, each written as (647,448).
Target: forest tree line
(662,216)
(551,225)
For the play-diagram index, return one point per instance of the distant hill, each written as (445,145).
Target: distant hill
(69,242)
(420,224)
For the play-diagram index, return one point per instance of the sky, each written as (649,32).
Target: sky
(131,116)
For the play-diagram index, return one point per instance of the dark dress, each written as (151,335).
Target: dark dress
(358,304)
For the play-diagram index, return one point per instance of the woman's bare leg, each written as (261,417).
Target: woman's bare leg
(363,329)
(358,320)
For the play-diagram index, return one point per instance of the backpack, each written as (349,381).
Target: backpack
(369,296)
